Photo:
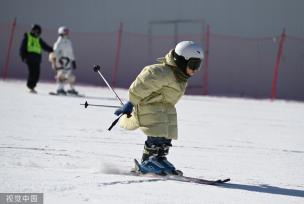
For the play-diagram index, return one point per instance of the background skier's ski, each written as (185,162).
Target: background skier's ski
(75,95)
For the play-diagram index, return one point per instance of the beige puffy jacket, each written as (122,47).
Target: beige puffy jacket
(154,94)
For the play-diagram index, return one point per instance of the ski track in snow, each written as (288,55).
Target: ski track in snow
(51,144)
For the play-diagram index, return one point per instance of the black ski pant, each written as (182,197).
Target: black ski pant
(34,74)
(157,141)
(156,146)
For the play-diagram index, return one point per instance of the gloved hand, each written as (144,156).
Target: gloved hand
(74,64)
(125,109)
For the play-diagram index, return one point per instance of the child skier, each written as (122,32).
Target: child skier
(63,60)
(151,105)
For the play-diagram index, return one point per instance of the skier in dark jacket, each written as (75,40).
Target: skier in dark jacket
(31,54)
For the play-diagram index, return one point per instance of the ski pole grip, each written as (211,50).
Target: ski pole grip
(114,123)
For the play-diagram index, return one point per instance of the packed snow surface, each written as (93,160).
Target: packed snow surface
(53,145)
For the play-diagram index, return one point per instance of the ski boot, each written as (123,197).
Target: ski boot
(170,169)
(162,159)
(150,166)
(154,157)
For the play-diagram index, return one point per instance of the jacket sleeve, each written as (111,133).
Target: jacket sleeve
(22,50)
(72,56)
(45,46)
(56,49)
(147,82)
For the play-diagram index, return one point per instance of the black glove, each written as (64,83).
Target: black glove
(74,64)
(125,109)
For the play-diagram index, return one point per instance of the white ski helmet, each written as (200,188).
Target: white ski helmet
(188,49)
(63,30)
(188,54)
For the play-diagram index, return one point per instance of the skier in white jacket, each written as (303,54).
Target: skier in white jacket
(63,62)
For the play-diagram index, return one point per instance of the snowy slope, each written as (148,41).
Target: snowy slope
(52,145)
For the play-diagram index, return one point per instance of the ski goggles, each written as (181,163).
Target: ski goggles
(194,63)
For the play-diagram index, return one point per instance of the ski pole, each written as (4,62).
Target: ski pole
(86,104)
(96,68)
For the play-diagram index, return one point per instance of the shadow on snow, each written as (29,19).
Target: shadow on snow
(264,188)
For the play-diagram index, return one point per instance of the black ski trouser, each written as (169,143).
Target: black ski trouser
(156,146)
(157,141)
(34,74)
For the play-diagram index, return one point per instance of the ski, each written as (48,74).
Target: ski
(69,95)
(180,178)
(197,180)
(185,179)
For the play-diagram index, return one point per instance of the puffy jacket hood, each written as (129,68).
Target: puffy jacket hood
(168,59)
(178,72)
